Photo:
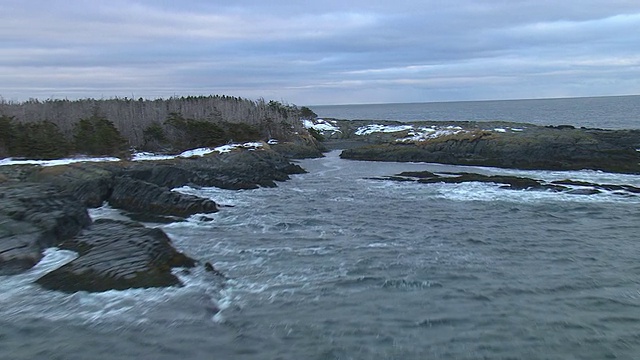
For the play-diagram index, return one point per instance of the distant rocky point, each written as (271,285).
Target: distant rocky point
(495,144)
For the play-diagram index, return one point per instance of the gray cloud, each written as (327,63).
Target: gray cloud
(320,52)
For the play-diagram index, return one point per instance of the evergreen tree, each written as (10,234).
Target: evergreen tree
(98,136)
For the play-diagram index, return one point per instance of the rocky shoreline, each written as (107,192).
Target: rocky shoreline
(42,207)
(494,144)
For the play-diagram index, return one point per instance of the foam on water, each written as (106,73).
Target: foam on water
(331,260)
(22,299)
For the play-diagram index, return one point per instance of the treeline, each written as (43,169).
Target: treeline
(56,128)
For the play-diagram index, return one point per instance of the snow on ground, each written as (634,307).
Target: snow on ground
(426,133)
(321,125)
(206,150)
(421,133)
(11,161)
(148,156)
(138,156)
(376,128)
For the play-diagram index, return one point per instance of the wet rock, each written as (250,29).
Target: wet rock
(241,170)
(117,255)
(32,218)
(607,187)
(509,182)
(89,183)
(514,182)
(585,191)
(46,206)
(143,197)
(209,268)
(19,246)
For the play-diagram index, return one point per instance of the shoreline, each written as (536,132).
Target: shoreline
(45,206)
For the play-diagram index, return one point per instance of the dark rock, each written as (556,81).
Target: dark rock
(117,255)
(584,191)
(90,183)
(34,217)
(552,148)
(209,268)
(607,187)
(19,246)
(510,182)
(561,127)
(418,174)
(300,148)
(51,210)
(514,182)
(234,170)
(143,197)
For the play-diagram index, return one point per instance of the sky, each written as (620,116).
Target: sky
(320,52)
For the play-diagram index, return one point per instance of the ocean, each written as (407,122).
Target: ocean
(335,265)
(612,112)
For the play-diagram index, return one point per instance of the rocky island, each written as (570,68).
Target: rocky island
(495,144)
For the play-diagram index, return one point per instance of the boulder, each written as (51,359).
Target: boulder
(143,197)
(90,183)
(34,217)
(117,255)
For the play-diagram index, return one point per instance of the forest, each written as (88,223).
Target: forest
(53,128)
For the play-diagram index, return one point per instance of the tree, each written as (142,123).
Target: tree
(306,113)
(98,136)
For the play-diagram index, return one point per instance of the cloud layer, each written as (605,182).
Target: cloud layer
(329,52)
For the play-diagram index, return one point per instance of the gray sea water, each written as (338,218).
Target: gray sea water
(332,265)
(612,112)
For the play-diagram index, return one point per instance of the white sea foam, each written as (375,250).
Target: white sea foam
(106,212)
(487,192)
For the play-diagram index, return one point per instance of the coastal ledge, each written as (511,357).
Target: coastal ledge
(42,207)
(494,144)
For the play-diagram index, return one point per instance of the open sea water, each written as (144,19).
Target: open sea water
(612,112)
(333,265)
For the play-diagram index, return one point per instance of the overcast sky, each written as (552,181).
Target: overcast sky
(320,52)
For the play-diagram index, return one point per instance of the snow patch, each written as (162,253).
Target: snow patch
(148,156)
(66,161)
(433,132)
(321,125)
(138,156)
(377,128)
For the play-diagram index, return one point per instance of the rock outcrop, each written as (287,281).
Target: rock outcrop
(548,148)
(42,207)
(34,217)
(514,182)
(117,255)
(142,197)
